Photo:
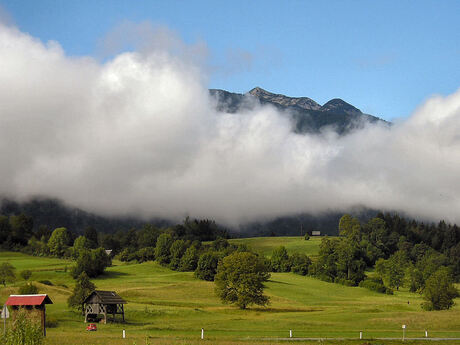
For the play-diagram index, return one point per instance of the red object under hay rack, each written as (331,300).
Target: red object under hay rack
(91,327)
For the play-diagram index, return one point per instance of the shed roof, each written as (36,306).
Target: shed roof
(106,297)
(28,300)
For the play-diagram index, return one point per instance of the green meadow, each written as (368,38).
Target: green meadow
(266,245)
(168,307)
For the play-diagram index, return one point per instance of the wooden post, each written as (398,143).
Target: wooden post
(44,320)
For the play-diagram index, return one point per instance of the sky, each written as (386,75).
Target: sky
(384,57)
(107,108)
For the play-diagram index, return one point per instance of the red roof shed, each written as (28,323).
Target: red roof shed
(23,300)
(30,302)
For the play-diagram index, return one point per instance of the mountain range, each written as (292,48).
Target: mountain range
(308,116)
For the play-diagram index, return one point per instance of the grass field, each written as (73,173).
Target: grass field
(167,307)
(266,245)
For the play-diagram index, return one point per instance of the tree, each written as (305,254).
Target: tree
(176,252)
(162,248)
(82,289)
(58,242)
(91,236)
(5,229)
(92,262)
(80,243)
(348,226)
(240,280)
(300,263)
(25,274)
(325,267)
(280,260)
(21,229)
(189,261)
(350,263)
(395,269)
(439,291)
(207,266)
(7,273)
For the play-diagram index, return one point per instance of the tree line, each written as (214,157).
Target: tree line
(398,252)
(425,258)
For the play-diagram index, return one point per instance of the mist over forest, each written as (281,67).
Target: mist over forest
(139,136)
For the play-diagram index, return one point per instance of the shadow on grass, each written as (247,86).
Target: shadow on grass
(278,282)
(112,274)
(284,310)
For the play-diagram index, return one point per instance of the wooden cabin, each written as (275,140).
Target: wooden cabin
(104,303)
(34,304)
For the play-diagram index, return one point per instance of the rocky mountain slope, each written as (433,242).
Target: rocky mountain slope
(308,115)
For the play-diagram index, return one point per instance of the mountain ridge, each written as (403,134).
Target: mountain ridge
(308,116)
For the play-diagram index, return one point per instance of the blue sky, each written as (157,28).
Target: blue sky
(384,57)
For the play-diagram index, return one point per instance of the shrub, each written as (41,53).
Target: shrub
(375,285)
(28,289)
(145,254)
(128,254)
(25,274)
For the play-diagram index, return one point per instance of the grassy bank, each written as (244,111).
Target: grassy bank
(266,245)
(171,307)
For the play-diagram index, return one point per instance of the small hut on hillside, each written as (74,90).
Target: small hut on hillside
(34,304)
(103,303)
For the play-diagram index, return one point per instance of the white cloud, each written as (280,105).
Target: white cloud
(138,135)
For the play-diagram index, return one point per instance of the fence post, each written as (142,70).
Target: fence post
(124,334)
(290,333)
(360,334)
(202,333)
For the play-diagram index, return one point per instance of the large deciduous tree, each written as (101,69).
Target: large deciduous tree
(240,279)
(59,242)
(439,291)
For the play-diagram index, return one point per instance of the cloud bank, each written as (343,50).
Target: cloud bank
(139,135)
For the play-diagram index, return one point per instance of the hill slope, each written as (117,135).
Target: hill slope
(168,304)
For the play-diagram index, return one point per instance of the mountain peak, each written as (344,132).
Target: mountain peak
(338,105)
(257,91)
(301,102)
